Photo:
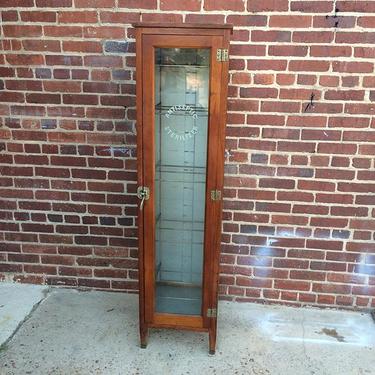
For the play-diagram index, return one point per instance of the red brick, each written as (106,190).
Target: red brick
(17,31)
(324,244)
(366,175)
(276,183)
(276,65)
(80,99)
(9,16)
(285,79)
(247,20)
(359,108)
(187,5)
(94,3)
(53,3)
(16,3)
(334,174)
(43,98)
(247,50)
(28,227)
(16,97)
(214,18)
(290,21)
(331,288)
(352,67)
(340,161)
(39,16)
(312,6)
(41,45)
(346,122)
(270,36)
(313,36)
(356,6)
(337,148)
(349,211)
(62,86)
(363,52)
(366,21)
(362,136)
(296,146)
(309,65)
(63,31)
(27,59)
(302,94)
(329,81)
(77,17)
(292,285)
(280,50)
(103,61)
(328,222)
(307,275)
(355,37)
(334,198)
(82,46)
(23,258)
(346,22)
(234,5)
(267,6)
(330,51)
(264,79)
(114,32)
(280,107)
(255,92)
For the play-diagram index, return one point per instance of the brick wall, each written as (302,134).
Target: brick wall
(299,199)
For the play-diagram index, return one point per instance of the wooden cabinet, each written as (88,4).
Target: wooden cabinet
(182,73)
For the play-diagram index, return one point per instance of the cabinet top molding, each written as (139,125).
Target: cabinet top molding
(183,25)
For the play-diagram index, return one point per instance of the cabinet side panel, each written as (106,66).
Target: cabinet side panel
(212,220)
(220,174)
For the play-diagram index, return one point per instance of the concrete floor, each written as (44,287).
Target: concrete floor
(73,332)
(16,303)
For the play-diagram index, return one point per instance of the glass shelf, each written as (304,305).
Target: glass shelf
(183,66)
(160,107)
(180,169)
(189,225)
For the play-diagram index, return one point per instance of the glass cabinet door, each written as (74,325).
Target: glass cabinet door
(181,84)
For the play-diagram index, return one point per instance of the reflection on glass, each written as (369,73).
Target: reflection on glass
(181,125)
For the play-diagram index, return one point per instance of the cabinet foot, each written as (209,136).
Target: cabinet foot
(212,341)
(144,337)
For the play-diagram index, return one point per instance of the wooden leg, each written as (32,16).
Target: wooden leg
(212,340)
(144,337)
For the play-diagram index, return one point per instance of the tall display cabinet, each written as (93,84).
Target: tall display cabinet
(182,75)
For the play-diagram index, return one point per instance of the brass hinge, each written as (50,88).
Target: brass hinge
(211,313)
(215,195)
(222,54)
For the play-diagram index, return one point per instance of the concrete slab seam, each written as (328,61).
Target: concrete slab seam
(46,293)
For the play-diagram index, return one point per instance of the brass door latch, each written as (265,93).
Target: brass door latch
(143,193)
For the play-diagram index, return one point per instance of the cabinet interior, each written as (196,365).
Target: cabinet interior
(181,134)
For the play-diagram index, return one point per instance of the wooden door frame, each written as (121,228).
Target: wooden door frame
(147,39)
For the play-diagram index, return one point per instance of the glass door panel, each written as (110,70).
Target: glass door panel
(181,129)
